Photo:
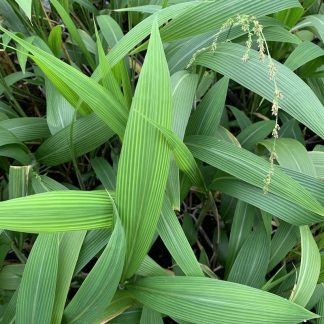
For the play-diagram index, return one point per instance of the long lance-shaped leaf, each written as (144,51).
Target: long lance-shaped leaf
(182,155)
(302,54)
(37,289)
(252,169)
(205,300)
(89,132)
(192,17)
(57,211)
(292,155)
(26,128)
(144,162)
(251,263)
(184,87)
(241,228)
(276,205)
(67,78)
(309,269)
(141,31)
(73,31)
(98,289)
(206,117)
(69,249)
(282,243)
(298,99)
(150,316)
(176,241)
(211,15)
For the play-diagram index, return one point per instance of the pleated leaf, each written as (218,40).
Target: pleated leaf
(73,31)
(283,241)
(183,91)
(279,206)
(302,54)
(89,132)
(251,169)
(144,161)
(317,159)
(96,292)
(37,289)
(69,248)
(292,155)
(59,112)
(298,99)
(104,172)
(254,133)
(205,300)
(75,85)
(209,16)
(309,268)
(241,228)
(206,118)
(251,263)
(176,241)
(93,243)
(57,211)
(27,128)
(150,268)
(150,316)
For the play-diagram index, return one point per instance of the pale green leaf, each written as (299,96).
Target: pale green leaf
(205,300)
(145,153)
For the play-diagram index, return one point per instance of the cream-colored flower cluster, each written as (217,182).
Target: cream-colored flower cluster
(252,27)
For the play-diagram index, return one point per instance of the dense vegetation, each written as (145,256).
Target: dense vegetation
(161,161)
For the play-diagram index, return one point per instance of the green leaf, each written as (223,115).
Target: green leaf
(27,128)
(141,31)
(241,118)
(26,6)
(292,155)
(241,228)
(57,211)
(89,132)
(37,289)
(284,239)
(207,116)
(254,133)
(10,276)
(94,242)
(176,242)
(149,268)
(75,85)
(314,22)
(205,300)
(55,40)
(144,161)
(121,302)
(274,204)
(59,112)
(207,16)
(104,172)
(309,268)
(320,311)
(317,159)
(250,265)
(251,169)
(254,76)
(184,87)
(19,181)
(70,244)
(302,54)
(97,290)
(73,32)
(150,316)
